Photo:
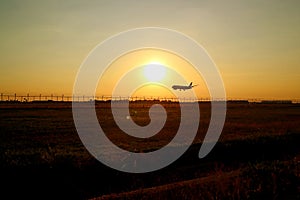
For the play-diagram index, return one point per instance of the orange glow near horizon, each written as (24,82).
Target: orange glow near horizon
(155,64)
(153,91)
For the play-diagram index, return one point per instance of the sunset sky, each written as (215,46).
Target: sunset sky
(255,44)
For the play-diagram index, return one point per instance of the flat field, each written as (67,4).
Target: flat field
(257,156)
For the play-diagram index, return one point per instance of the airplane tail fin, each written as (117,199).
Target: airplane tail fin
(191,84)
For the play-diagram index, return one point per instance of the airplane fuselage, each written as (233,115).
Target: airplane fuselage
(181,87)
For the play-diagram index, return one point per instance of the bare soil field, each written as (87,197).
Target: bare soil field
(257,156)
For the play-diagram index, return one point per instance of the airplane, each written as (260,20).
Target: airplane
(183,87)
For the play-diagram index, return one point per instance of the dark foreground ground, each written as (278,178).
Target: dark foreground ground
(257,157)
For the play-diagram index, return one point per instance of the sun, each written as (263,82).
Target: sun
(154,71)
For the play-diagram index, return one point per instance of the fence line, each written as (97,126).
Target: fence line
(84,98)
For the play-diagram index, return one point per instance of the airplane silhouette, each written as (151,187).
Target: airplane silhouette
(183,87)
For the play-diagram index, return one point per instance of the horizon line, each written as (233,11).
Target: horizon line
(87,98)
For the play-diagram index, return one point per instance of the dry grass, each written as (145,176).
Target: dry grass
(257,156)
